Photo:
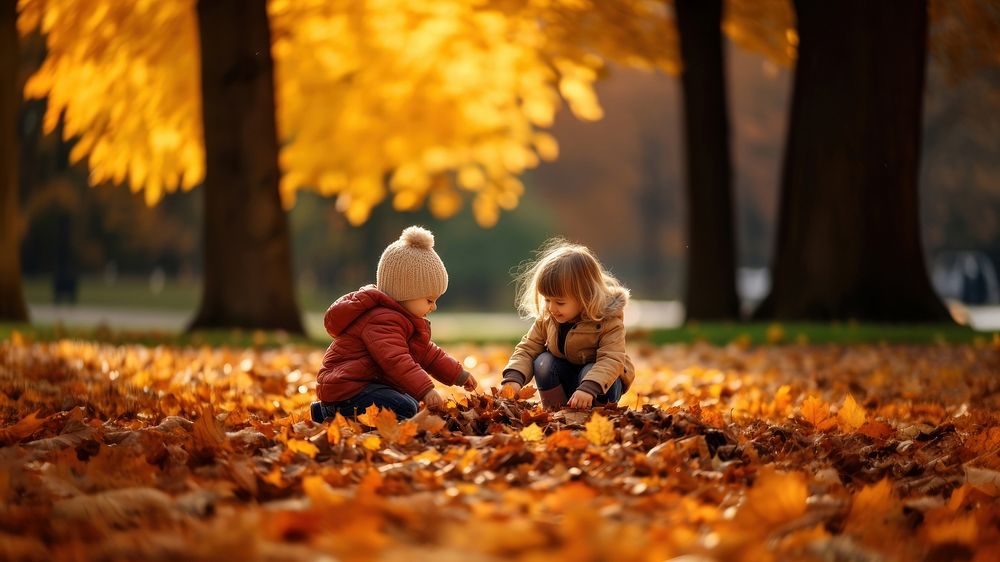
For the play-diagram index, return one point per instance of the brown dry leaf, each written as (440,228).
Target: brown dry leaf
(526,392)
(23,429)
(983,479)
(208,434)
(877,430)
(127,507)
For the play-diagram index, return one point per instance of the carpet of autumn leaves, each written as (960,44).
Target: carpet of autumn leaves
(791,452)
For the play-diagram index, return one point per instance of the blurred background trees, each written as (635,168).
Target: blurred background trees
(346,83)
(12,306)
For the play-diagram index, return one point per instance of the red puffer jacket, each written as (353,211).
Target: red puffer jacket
(377,340)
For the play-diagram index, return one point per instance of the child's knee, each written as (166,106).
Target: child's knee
(545,371)
(406,407)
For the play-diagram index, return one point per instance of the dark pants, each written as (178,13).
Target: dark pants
(380,395)
(558,379)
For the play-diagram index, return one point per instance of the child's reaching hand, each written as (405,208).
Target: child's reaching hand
(509,389)
(470,383)
(433,399)
(581,399)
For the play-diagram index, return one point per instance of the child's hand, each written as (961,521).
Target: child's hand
(433,400)
(509,389)
(470,383)
(581,399)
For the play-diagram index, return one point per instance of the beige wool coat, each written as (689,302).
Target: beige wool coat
(601,342)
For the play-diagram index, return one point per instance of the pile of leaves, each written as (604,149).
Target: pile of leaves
(794,452)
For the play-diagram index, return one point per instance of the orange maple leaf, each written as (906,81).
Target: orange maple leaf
(817,413)
(369,416)
(566,439)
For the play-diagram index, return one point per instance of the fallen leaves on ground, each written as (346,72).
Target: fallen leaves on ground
(792,452)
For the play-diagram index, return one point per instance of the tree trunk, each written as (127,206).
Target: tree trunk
(711,268)
(12,306)
(849,242)
(248,266)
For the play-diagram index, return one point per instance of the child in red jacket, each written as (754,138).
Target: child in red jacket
(382,352)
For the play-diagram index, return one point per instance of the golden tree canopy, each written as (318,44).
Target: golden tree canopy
(415,100)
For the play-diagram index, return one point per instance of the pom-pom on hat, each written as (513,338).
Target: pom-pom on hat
(410,268)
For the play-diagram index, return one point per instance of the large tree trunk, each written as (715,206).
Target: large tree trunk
(849,234)
(711,267)
(248,266)
(12,305)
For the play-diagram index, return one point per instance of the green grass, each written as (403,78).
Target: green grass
(135,292)
(714,333)
(838,333)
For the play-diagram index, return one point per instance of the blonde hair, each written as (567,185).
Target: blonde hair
(564,269)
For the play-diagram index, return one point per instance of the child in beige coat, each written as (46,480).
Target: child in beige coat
(575,350)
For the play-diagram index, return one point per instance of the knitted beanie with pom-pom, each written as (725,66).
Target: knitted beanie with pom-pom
(410,268)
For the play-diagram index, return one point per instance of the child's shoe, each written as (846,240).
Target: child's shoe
(316,411)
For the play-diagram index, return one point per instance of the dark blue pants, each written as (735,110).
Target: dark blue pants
(381,395)
(551,373)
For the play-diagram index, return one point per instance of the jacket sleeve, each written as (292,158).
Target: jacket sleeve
(383,337)
(440,365)
(530,347)
(610,361)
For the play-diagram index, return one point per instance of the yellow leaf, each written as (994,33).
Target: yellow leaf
(302,446)
(372,443)
(532,433)
(600,430)
(851,415)
(333,434)
(320,494)
(428,456)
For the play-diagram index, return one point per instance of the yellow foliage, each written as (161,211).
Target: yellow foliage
(126,78)
(439,97)
(851,415)
(532,433)
(763,26)
(600,430)
(302,446)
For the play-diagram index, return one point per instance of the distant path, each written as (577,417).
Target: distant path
(446,325)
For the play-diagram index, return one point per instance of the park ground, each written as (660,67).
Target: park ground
(760,442)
